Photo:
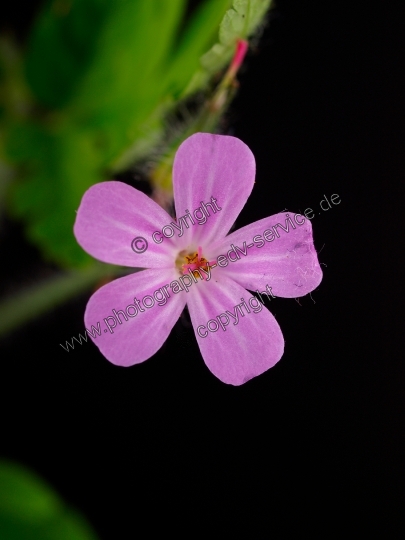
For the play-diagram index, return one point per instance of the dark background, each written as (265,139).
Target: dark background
(320,105)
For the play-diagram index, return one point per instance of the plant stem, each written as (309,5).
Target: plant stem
(206,121)
(36,300)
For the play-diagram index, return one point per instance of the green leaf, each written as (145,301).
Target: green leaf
(103,61)
(200,34)
(31,510)
(240,22)
(59,167)
(169,79)
(123,86)
(62,45)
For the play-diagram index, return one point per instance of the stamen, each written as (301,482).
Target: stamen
(194,261)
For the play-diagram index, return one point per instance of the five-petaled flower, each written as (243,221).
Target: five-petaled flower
(112,213)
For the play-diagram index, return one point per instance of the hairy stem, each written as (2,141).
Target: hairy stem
(39,299)
(207,120)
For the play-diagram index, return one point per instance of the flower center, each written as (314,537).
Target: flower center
(192,262)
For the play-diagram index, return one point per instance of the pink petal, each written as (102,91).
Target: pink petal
(111,215)
(134,340)
(288,264)
(244,350)
(208,166)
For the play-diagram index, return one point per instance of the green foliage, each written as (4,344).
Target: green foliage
(97,79)
(239,22)
(62,46)
(30,510)
(197,38)
(61,163)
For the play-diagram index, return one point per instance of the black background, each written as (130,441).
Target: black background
(320,105)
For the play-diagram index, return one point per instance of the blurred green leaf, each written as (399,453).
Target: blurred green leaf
(123,86)
(30,510)
(99,62)
(15,98)
(103,75)
(169,79)
(14,102)
(62,45)
(60,165)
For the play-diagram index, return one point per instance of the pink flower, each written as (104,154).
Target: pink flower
(206,168)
